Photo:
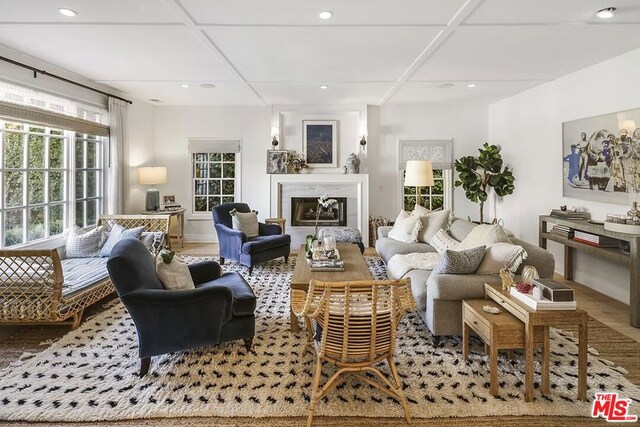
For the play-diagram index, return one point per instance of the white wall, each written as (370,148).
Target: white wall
(140,152)
(174,124)
(529,128)
(465,124)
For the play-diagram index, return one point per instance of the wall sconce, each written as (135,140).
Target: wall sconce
(274,135)
(363,141)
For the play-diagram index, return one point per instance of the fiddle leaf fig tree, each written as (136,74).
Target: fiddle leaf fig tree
(477,175)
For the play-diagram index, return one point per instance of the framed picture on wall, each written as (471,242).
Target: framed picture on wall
(600,158)
(277,161)
(320,143)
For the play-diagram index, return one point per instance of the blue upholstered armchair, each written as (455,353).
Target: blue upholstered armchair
(249,251)
(220,308)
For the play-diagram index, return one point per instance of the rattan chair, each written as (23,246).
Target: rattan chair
(353,325)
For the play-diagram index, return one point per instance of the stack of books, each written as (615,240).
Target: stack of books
(595,240)
(327,265)
(543,303)
(172,206)
(559,213)
(562,231)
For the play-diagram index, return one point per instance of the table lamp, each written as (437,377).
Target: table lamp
(418,173)
(152,176)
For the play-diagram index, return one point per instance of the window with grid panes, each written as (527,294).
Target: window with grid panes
(431,198)
(214,180)
(35,172)
(88,179)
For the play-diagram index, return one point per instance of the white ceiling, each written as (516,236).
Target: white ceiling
(260,52)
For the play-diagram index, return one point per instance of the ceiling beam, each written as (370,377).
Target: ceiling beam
(457,19)
(184,16)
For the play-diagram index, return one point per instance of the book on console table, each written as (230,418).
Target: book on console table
(558,213)
(542,304)
(595,239)
(327,265)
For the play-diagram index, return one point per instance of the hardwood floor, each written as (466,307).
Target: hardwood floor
(599,306)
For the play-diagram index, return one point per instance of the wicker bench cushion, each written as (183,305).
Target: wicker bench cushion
(80,273)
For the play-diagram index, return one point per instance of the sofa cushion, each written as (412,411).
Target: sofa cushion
(441,241)
(484,234)
(83,243)
(80,273)
(263,243)
(460,262)
(460,228)
(431,223)
(456,287)
(406,228)
(388,247)
(244,300)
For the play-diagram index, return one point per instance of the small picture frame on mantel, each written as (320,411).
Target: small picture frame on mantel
(277,161)
(320,143)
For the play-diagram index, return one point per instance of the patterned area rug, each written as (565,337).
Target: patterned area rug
(91,373)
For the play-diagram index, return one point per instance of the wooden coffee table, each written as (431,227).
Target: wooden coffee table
(355,268)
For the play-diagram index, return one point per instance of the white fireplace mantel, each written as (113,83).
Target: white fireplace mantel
(354,186)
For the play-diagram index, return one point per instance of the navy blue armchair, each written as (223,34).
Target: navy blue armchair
(220,308)
(249,251)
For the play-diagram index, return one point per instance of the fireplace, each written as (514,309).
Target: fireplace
(304,211)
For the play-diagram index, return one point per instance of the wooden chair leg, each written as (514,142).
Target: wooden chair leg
(221,261)
(248,343)
(250,269)
(77,318)
(399,392)
(286,259)
(145,362)
(315,392)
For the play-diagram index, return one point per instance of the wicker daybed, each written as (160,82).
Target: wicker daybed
(40,286)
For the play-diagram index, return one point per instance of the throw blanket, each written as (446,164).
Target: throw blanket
(399,265)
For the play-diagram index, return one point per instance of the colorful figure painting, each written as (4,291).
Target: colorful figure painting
(601,157)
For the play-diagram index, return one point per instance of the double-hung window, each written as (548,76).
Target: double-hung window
(438,196)
(215,174)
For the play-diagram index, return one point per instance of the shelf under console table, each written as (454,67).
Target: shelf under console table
(612,254)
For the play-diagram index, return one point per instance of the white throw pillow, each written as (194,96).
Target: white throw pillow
(431,223)
(420,211)
(406,228)
(174,275)
(246,222)
(500,255)
(484,234)
(442,242)
(83,243)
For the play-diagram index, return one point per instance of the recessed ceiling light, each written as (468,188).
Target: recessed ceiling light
(207,86)
(67,12)
(184,85)
(606,13)
(325,14)
(324,87)
(446,85)
(471,85)
(154,100)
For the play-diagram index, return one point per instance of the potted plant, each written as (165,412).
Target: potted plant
(477,175)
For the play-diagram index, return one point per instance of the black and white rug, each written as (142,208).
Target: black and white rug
(91,373)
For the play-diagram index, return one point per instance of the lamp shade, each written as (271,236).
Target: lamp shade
(418,173)
(152,175)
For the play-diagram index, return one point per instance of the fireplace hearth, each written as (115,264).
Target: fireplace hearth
(305,209)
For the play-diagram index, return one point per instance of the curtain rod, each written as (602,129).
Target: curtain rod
(55,76)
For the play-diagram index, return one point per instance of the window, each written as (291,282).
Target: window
(215,166)
(35,171)
(431,198)
(440,195)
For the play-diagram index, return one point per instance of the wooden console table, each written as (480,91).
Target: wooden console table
(631,259)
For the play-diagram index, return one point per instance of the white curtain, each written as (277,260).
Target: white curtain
(119,129)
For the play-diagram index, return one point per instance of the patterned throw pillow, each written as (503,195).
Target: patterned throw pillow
(245,222)
(118,233)
(83,243)
(441,242)
(406,228)
(460,262)
(149,237)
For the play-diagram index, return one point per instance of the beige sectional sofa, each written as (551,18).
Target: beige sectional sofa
(439,296)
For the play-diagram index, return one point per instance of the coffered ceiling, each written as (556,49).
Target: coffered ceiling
(260,52)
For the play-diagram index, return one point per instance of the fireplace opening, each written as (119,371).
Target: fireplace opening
(305,209)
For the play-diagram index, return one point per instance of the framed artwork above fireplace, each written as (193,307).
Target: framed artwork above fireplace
(320,143)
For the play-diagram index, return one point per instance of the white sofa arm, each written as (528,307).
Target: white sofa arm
(383,231)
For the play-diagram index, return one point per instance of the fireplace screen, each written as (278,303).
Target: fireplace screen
(305,209)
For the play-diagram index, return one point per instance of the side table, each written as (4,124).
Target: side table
(179,214)
(533,318)
(279,221)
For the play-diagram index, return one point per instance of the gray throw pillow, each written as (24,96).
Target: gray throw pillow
(150,237)
(246,222)
(118,233)
(460,262)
